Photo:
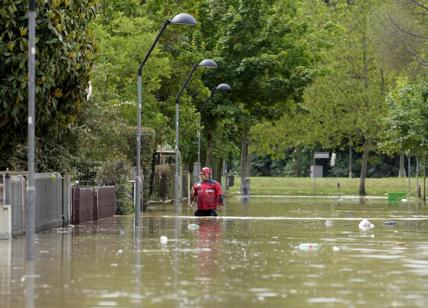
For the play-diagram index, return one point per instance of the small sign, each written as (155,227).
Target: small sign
(321,155)
(333,159)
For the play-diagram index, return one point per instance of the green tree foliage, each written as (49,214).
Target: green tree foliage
(262,51)
(163,74)
(401,33)
(347,99)
(407,120)
(124,31)
(349,102)
(116,172)
(64,57)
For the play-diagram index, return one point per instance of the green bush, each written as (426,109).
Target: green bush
(64,58)
(116,172)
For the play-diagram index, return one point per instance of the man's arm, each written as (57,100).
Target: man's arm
(194,193)
(219,192)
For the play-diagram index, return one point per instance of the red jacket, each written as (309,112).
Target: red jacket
(209,194)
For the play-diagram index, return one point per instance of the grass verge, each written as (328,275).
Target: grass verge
(306,186)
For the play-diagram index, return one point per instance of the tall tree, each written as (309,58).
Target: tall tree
(346,100)
(349,102)
(406,24)
(263,54)
(407,120)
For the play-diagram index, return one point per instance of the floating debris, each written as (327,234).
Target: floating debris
(192,226)
(329,223)
(163,239)
(365,225)
(389,223)
(309,246)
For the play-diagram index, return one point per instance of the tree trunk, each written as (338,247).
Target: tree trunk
(245,161)
(350,161)
(425,177)
(152,174)
(217,167)
(210,146)
(402,171)
(366,150)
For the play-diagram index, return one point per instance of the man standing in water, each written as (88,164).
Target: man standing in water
(208,194)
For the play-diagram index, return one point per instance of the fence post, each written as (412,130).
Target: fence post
(95,209)
(76,205)
(7,188)
(66,200)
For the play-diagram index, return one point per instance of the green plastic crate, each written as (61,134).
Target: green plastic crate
(396,196)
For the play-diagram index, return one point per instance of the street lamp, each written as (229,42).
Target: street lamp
(204,63)
(180,19)
(222,87)
(31,189)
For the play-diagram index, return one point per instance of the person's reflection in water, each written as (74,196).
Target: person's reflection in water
(209,243)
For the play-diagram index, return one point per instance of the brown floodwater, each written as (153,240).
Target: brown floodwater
(252,255)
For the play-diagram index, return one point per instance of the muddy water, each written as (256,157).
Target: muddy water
(250,256)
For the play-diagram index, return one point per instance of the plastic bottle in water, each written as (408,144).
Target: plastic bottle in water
(192,226)
(309,246)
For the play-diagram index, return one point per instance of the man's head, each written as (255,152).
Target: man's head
(205,173)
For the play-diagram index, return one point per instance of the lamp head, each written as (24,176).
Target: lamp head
(223,87)
(208,63)
(183,19)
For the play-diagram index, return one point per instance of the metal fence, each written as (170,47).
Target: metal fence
(83,204)
(92,203)
(163,184)
(57,203)
(15,196)
(186,185)
(52,200)
(106,201)
(49,207)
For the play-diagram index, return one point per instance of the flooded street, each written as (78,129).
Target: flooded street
(270,252)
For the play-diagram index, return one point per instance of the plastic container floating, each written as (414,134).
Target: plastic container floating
(329,222)
(163,239)
(396,196)
(309,246)
(389,223)
(365,225)
(192,226)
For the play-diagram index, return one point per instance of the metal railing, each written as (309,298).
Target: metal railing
(52,204)
(92,203)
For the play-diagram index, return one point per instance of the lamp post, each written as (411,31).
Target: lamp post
(180,19)
(177,196)
(222,87)
(31,190)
